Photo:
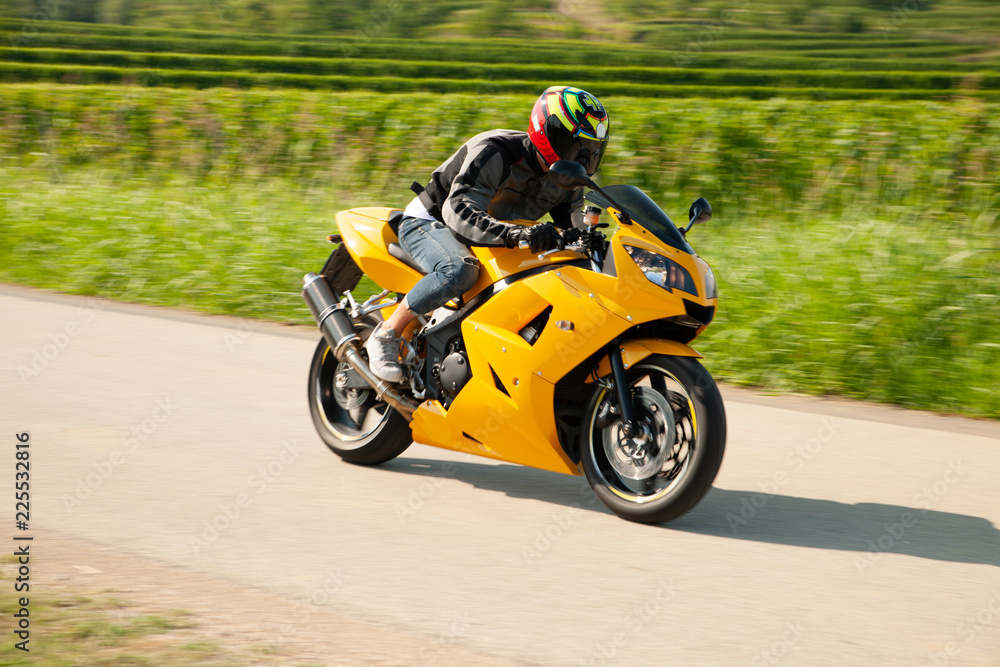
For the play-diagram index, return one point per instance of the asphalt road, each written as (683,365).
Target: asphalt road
(837,533)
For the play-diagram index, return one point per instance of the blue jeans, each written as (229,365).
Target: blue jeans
(450,266)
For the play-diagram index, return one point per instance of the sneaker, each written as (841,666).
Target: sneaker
(383,354)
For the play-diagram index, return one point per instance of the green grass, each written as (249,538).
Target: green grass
(856,243)
(70,630)
(892,310)
(487,49)
(754,157)
(72,627)
(753,85)
(238,250)
(885,309)
(206,69)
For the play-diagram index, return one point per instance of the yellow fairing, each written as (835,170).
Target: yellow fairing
(499,263)
(519,425)
(633,294)
(505,411)
(367,236)
(634,351)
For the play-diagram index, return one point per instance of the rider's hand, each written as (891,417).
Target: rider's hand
(539,237)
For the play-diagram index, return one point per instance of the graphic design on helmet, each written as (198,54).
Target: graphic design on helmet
(570,124)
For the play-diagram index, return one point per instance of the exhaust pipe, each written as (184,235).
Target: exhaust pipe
(338,330)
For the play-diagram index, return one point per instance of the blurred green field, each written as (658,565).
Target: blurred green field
(647,21)
(206,71)
(851,49)
(856,243)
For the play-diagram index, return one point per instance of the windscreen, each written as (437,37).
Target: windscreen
(644,212)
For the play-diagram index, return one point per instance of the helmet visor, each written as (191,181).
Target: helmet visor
(588,152)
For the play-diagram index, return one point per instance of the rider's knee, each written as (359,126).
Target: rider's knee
(468,274)
(459,274)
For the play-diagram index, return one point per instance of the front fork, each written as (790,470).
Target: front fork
(630,427)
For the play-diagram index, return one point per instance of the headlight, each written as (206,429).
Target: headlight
(711,287)
(662,271)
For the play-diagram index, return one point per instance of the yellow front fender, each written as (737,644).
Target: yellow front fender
(634,351)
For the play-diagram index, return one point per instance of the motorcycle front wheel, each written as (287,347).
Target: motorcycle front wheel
(670,466)
(352,423)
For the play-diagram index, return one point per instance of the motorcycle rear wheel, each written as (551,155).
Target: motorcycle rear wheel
(351,422)
(667,477)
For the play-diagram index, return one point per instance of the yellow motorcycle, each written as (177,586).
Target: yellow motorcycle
(575,361)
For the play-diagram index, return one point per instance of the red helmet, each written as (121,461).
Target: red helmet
(570,124)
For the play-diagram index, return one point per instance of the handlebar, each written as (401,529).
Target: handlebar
(580,246)
(575,247)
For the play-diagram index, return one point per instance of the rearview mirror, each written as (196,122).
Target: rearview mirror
(701,211)
(569,175)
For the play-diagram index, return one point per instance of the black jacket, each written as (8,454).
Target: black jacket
(495,176)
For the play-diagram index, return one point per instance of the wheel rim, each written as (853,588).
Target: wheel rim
(645,472)
(637,458)
(350,414)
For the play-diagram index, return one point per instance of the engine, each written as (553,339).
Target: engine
(453,372)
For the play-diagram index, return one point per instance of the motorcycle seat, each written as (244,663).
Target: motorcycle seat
(399,253)
(397,250)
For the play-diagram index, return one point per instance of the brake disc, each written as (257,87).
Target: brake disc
(347,398)
(642,456)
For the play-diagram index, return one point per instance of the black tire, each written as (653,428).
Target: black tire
(381,434)
(696,446)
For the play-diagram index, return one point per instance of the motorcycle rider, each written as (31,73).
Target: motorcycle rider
(495,176)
